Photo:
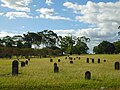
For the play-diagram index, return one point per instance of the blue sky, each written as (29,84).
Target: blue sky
(97,19)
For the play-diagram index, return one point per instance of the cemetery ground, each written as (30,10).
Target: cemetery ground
(39,74)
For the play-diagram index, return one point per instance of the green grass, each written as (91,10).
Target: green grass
(39,74)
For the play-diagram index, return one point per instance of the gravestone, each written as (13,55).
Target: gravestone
(22,64)
(87,75)
(56,68)
(58,60)
(65,57)
(87,61)
(74,58)
(28,59)
(78,58)
(26,62)
(55,64)
(92,60)
(70,58)
(15,67)
(51,60)
(98,60)
(117,65)
(71,62)
(104,60)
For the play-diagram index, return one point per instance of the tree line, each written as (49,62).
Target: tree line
(49,42)
(106,47)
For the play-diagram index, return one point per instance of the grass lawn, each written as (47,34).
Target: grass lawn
(39,74)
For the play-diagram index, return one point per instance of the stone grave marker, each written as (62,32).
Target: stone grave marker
(26,62)
(87,60)
(65,57)
(15,67)
(51,60)
(87,75)
(28,59)
(92,60)
(56,68)
(58,60)
(22,64)
(117,65)
(71,62)
(104,60)
(98,60)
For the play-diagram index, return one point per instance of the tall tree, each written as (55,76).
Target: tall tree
(18,39)
(8,41)
(105,47)
(117,46)
(49,38)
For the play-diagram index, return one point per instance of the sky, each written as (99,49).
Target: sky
(96,19)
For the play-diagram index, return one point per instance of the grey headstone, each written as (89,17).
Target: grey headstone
(51,60)
(92,60)
(71,62)
(15,67)
(22,64)
(56,68)
(58,60)
(98,60)
(87,75)
(117,65)
(87,60)
(26,62)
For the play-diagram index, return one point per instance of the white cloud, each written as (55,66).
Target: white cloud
(3,34)
(64,32)
(50,14)
(13,15)
(1,14)
(104,16)
(19,5)
(49,2)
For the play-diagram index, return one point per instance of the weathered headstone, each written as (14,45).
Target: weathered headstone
(117,65)
(15,67)
(87,75)
(104,60)
(78,58)
(56,68)
(74,58)
(71,62)
(28,59)
(55,64)
(26,62)
(70,58)
(22,64)
(58,60)
(92,60)
(98,60)
(51,60)
(65,57)
(87,61)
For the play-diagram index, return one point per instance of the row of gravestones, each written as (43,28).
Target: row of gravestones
(51,60)
(88,60)
(71,58)
(15,66)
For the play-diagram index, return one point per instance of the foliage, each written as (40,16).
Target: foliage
(51,43)
(104,47)
(117,46)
